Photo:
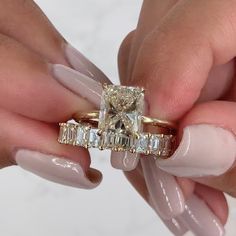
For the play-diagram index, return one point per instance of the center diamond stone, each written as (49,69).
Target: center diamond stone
(121,110)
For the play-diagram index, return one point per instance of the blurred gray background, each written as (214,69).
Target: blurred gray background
(31,206)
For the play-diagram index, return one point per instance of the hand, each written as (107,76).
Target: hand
(183,52)
(32,99)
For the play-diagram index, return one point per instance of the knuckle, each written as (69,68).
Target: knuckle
(125,45)
(229,182)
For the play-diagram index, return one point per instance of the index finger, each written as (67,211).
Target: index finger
(175,59)
(24,21)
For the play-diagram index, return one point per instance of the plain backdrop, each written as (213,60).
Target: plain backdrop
(31,206)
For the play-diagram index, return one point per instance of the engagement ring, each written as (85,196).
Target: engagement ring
(121,126)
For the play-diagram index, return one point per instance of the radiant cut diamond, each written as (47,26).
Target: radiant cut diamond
(120,113)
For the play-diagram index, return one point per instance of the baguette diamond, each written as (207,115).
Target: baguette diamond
(94,138)
(85,136)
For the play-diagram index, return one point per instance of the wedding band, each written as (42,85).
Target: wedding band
(120,125)
(86,136)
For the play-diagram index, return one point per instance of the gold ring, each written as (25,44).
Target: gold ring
(120,125)
(93,117)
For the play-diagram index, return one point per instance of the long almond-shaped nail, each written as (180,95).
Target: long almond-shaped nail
(57,169)
(125,161)
(205,150)
(80,63)
(176,226)
(166,195)
(200,219)
(78,83)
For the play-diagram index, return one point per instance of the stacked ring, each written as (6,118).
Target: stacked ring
(119,126)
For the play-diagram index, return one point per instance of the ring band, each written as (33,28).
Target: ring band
(120,125)
(86,136)
(93,118)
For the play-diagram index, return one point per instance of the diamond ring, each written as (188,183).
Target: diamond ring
(120,125)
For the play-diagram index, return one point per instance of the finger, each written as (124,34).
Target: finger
(200,219)
(151,15)
(152,12)
(176,58)
(136,179)
(33,23)
(33,146)
(195,215)
(29,85)
(208,144)
(215,200)
(123,57)
(166,195)
(24,21)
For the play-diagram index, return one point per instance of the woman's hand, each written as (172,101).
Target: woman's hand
(32,100)
(183,53)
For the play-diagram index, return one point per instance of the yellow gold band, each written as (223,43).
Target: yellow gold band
(93,117)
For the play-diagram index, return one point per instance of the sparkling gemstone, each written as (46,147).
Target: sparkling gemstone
(121,109)
(109,139)
(123,142)
(94,138)
(71,133)
(142,143)
(63,133)
(154,143)
(82,136)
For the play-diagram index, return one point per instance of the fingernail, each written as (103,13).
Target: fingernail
(200,219)
(80,63)
(175,225)
(125,161)
(205,150)
(166,195)
(57,169)
(78,83)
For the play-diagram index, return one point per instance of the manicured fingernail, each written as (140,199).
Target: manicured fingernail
(166,195)
(205,150)
(200,219)
(57,169)
(125,161)
(78,83)
(80,63)
(175,225)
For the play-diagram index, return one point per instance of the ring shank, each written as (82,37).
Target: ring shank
(93,118)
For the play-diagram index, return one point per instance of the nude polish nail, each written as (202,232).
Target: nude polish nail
(167,197)
(80,63)
(57,169)
(200,219)
(205,150)
(176,226)
(78,83)
(125,161)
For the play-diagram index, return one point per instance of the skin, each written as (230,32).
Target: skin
(154,48)
(29,95)
(183,53)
